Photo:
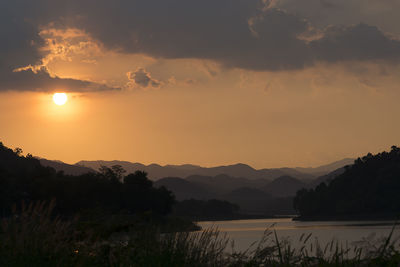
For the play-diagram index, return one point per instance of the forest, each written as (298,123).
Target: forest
(109,191)
(368,189)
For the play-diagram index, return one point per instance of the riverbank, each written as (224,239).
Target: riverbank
(350,217)
(240,217)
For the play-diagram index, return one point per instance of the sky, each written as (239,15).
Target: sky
(269,83)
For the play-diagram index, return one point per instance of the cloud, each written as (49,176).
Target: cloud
(41,80)
(245,34)
(355,43)
(141,78)
(383,14)
(23,57)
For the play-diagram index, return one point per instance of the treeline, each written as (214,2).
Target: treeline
(367,189)
(97,196)
(109,191)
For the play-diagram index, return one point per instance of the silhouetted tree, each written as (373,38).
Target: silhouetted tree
(108,191)
(370,186)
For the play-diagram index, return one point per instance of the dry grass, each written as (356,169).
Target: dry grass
(33,237)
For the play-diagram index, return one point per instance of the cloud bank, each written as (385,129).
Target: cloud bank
(245,34)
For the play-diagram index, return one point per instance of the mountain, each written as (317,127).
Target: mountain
(243,192)
(368,189)
(325,169)
(275,173)
(239,170)
(183,189)
(249,199)
(222,183)
(284,186)
(66,168)
(327,178)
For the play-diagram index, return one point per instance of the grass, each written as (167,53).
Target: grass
(33,237)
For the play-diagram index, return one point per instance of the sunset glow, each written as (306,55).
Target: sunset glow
(294,84)
(132,116)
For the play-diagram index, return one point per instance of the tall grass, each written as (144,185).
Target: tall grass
(33,237)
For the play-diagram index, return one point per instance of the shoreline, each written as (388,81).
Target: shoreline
(245,217)
(358,217)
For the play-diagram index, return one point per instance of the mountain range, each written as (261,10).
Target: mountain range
(239,170)
(263,191)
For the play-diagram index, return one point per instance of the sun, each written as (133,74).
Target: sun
(60,98)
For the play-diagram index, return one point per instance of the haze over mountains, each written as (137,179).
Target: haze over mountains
(156,171)
(263,191)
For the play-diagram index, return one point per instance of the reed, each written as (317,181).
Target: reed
(32,236)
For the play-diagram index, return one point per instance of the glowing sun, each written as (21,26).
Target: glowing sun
(60,98)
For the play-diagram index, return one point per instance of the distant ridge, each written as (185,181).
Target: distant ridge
(327,168)
(239,170)
(255,191)
(66,168)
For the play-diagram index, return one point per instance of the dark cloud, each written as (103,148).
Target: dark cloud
(143,79)
(234,33)
(40,80)
(20,45)
(358,42)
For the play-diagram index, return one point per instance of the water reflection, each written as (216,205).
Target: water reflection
(246,232)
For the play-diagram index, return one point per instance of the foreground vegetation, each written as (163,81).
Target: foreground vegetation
(112,219)
(33,237)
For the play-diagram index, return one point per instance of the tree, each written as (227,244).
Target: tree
(18,151)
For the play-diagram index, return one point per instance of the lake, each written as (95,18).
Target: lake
(246,232)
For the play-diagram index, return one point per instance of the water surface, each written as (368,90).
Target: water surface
(246,232)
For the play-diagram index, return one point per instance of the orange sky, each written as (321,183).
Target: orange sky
(208,124)
(183,109)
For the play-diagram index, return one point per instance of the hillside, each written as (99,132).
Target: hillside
(23,178)
(222,183)
(68,169)
(368,189)
(324,169)
(252,196)
(183,189)
(284,186)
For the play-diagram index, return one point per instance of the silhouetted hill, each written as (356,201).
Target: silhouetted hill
(187,167)
(156,171)
(66,168)
(223,183)
(183,189)
(96,194)
(128,166)
(327,178)
(284,186)
(212,209)
(249,199)
(276,173)
(255,201)
(13,165)
(328,168)
(367,189)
